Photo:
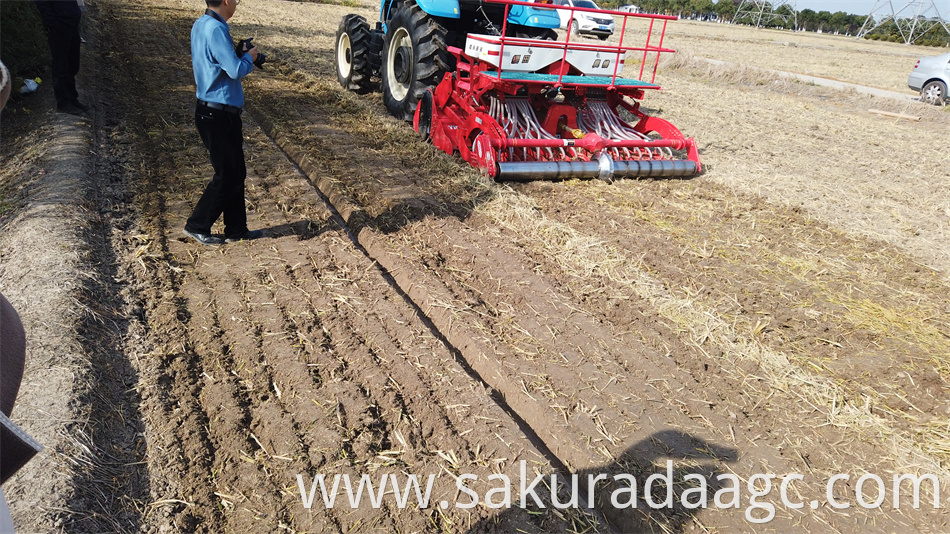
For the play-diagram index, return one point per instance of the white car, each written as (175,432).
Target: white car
(931,76)
(583,22)
(630,8)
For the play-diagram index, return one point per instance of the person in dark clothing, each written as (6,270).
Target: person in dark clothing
(218,73)
(61,21)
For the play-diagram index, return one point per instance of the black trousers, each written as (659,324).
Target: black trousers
(223,134)
(64,43)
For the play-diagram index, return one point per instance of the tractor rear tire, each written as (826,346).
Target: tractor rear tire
(353,69)
(415,58)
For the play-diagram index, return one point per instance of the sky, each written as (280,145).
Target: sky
(863,7)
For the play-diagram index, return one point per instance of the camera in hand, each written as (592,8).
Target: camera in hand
(244,45)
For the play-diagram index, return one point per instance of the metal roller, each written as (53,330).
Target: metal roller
(664,168)
(525,171)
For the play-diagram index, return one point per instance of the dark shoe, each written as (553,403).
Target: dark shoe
(80,105)
(204,239)
(69,108)
(250,234)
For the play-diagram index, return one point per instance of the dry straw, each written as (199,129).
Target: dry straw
(585,257)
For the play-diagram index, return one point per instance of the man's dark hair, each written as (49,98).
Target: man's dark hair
(213,3)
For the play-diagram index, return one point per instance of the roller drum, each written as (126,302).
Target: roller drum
(525,171)
(661,168)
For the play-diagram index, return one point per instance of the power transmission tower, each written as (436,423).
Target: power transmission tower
(916,18)
(762,12)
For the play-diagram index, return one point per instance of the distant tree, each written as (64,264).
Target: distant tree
(807,20)
(839,22)
(652,6)
(725,9)
(788,18)
(855,22)
(700,8)
(823,20)
(677,7)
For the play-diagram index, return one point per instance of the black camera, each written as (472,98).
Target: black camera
(244,45)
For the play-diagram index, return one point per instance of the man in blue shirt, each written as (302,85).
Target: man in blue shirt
(218,73)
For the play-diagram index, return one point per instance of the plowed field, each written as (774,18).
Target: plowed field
(781,318)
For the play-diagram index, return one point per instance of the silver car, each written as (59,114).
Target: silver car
(931,76)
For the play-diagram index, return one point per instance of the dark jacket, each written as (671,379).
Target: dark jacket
(59,12)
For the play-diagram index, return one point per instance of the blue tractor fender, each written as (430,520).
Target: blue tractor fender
(437,8)
(534,17)
(524,15)
(441,8)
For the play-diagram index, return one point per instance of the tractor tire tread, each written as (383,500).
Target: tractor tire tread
(431,59)
(361,71)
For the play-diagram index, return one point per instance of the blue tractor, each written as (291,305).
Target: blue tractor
(408,49)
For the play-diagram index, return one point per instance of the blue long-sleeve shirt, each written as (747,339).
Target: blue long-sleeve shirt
(218,70)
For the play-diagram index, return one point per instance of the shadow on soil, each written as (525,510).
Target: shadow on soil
(642,491)
(112,488)
(113,485)
(303,230)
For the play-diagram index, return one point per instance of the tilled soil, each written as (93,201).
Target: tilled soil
(403,316)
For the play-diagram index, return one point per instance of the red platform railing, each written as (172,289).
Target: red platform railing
(618,49)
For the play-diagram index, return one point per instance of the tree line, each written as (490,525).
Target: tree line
(805,20)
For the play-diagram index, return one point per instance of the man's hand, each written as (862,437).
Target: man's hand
(245,46)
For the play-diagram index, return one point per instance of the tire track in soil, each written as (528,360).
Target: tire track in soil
(523,406)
